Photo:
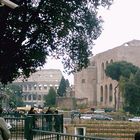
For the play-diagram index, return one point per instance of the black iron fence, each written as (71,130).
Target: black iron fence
(46,135)
(21,127)
(36,127)
(17,127)
(47,122)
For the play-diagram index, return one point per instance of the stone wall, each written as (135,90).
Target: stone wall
(65,103)
(97,87)
(85,84)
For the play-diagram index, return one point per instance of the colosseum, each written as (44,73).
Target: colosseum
(93,84)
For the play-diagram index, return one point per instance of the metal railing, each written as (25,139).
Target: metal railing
(17,127)
(45,135)
(39,133)
(23,129)
(47,122)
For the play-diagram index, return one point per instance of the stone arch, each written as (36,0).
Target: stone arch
(34,97)
(106,94)
(25,87)
(106,63)
(29,87)
(105,67)
(110,93)
(111,61)
(102,71)
(101,96)
(39,97)
(29,97)
(25,97)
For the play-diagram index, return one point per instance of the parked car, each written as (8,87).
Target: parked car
(109,109)
(75,113)
(101,117)
(99,111)
(134,119)
(86,116)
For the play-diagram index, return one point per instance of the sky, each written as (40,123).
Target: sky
(121,24)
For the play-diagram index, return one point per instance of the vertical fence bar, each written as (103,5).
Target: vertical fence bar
(28,128)
(62,127)
(57,136)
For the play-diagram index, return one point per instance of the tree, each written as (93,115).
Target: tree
(13,93)
(120,69)
(64,84)
(67,83)
(132,95)
(34,31)
(50,98)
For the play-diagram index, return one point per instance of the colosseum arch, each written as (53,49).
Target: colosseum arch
(39,97)
(29,97)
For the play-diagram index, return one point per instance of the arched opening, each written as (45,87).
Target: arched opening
(102,71)
(101,97)
(106,67)
(29,97)
(110,93)
(106,92)
(111,61)
(39,97)
(34,96)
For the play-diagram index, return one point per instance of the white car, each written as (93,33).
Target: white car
(86,117)
(134,119)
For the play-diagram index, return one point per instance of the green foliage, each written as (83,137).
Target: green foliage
(132,98)
(64,84)
(13,94)
(123,72)
(122,83)
(137,77)
(38,29)
(122,68)
(132,95)
(50,98)
(67,83)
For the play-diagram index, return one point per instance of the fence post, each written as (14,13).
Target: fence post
(57,137)
(62,123)
(28,134)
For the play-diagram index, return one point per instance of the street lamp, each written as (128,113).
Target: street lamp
(9,3)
